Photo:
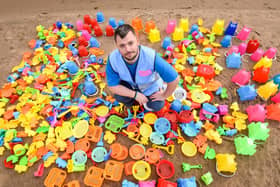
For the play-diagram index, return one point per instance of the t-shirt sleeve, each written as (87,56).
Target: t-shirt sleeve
(112,77)
(165,70)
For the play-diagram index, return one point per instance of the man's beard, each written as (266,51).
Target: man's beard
(133,58)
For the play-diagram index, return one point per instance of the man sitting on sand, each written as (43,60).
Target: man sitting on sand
(137,73)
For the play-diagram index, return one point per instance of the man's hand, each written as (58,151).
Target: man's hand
(161,95)
(141,98)
(158,96)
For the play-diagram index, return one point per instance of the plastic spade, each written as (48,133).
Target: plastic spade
(187,167)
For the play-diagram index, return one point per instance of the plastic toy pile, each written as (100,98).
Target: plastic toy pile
(56,98)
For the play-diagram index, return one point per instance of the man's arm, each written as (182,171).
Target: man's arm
(122,91)
(112,77)
(113,82)
(171,86)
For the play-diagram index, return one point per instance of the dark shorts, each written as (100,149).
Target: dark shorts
(154,105)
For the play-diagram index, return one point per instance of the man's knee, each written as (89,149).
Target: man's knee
(125,100)
(155,105)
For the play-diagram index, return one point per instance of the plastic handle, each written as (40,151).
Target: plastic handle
(196,166)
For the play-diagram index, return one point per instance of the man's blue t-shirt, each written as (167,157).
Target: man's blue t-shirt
(165,70)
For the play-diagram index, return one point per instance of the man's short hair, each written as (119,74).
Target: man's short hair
(122,31)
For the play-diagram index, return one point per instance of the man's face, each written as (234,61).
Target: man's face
(128,46)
